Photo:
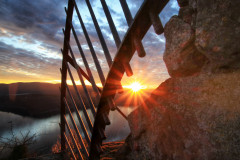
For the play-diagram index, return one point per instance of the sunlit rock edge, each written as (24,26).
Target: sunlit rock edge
(195,114)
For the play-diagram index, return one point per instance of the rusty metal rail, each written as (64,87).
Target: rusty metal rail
(88,144)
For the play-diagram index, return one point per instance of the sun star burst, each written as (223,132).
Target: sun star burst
(136,86)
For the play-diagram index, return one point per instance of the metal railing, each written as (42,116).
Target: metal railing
(88,145)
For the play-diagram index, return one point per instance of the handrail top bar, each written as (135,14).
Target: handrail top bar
(139,28)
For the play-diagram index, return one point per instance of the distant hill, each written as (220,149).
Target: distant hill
(41,100)
(30,99)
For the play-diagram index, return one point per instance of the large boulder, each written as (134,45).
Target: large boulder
(195,114)
(181,56)
(204,36)
(218,31)
(195,117)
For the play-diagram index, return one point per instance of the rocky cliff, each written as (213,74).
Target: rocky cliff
(195,114)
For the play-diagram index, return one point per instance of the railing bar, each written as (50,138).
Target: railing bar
(74,140)
(111,24)
(64,71)
(79,116)
(95,59)
(116,39)
(102,41)
(84,86)
(121,112)
(69,146)
(140,26)
(81,100)
(75,125)
(137,42)
(70,60)
(127,12)
(73,121)
(92,81)
(90,76)
(74,63)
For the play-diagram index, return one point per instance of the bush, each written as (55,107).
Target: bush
(18,146)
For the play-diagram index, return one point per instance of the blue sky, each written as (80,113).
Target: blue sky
(31,39)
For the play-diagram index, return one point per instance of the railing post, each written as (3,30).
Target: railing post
(64,74)
(138,27)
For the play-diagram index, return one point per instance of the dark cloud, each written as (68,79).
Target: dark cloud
(16,61)
(40,23)
(34,20)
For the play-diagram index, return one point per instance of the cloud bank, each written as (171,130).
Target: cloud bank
(31,38)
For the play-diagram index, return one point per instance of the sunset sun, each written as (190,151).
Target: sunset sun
(136,86)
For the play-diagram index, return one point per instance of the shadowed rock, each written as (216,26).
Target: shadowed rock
(218,31)
(195,114)
(187,118)
(181,56)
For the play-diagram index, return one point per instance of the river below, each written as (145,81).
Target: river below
(47,130)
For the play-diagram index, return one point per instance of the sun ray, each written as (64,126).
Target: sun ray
(135,86)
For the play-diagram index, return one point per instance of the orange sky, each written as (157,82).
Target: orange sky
(30,45)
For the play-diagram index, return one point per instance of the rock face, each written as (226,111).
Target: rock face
(181,56)
(205,31)
(195,114)
(218,31)
(195,117)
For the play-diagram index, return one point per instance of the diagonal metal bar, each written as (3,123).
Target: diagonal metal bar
(95,59)
(146,16)
(92,81)
(96,89)
(124,116)
(74,63)
(73,139)
(69,146)
(75,127)
(136,40)
(84,86)
(102,41)
(70,60)
(109,101)
(111,24)
(82,104)
(156,22)
(78,116)
(126,12)
(139,26)
(117,42)
(81,100)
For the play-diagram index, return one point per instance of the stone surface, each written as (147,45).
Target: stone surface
(182,3)
(205,32)
(218,31)
(195,117)
(181,56)
(186,14)
(195,114)
(45,157)
(110,150)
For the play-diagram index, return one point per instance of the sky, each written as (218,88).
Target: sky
(31,38)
